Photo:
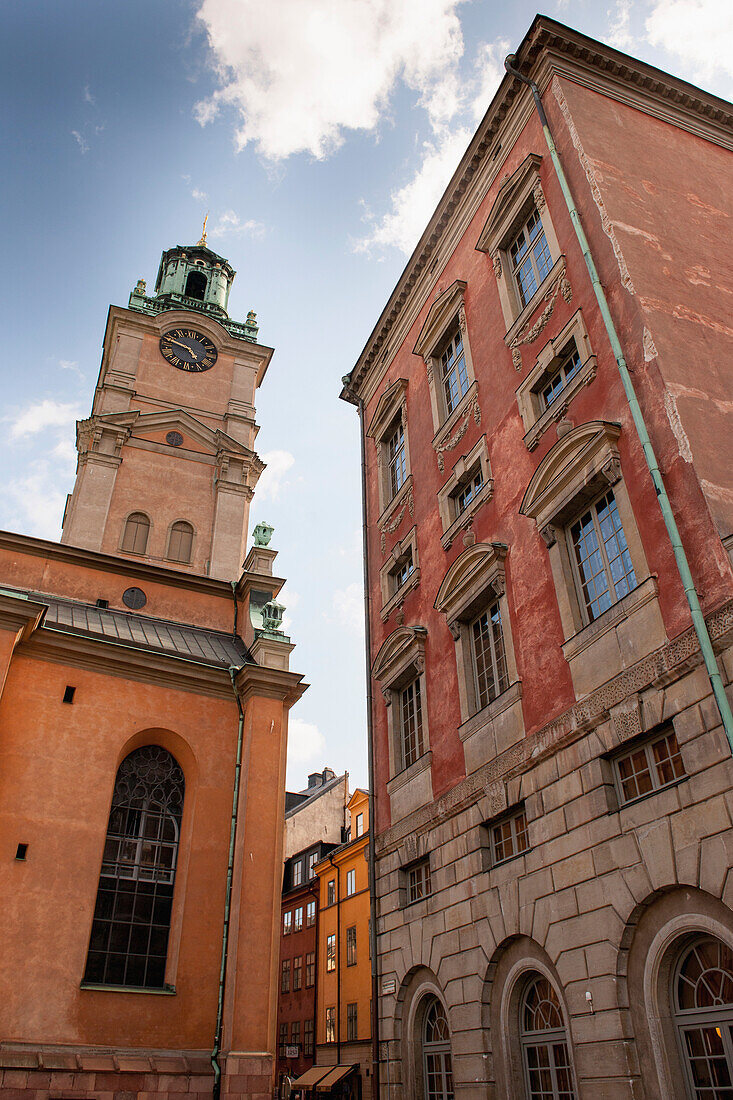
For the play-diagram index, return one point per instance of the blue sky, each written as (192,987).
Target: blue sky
(318,134)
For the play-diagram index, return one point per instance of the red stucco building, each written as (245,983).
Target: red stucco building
(552,779)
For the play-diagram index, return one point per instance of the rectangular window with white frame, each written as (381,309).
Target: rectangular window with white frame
(331,952)
(350,882)
(331,892)
(297,972)
(489,660)
(297,872)
(602,563)
(351,946)
(444,347)
(417,881)
(468,486)
(508,836)
(331,1024)
(359,825)
(453,372)
(396,458)
(351,1023)
(411,730)
(312,861)
(650,765)
(530,256)
(310,969)
(310,914)
(287,922)
(298,919)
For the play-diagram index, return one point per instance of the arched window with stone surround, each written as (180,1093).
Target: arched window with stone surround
(180,542)
(128,945)
(437,1068)
(548,1074)
(702,1000)
(135,534)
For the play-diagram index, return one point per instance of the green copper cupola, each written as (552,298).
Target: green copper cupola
(193,277)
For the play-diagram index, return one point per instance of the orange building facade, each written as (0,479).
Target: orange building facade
(144,697)
(343,1018)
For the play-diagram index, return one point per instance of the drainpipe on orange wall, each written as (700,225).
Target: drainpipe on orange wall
(216,1050)
(693,600)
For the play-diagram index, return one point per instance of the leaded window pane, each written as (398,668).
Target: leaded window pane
(128,943)
(396,459)
(453,371)
(489,659)
(411,723)
(602,557)
(544,1044)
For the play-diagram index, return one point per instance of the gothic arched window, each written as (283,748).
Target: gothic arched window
(702,996)
(135,535)
(545,1057)
(196,286)
(129,939)
(437,1069)
(180,542)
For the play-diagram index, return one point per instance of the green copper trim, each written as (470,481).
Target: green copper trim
(141,303)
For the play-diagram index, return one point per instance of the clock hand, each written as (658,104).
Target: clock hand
(185,347)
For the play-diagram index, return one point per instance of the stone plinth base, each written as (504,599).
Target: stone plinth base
(247,1076)
(74,1073)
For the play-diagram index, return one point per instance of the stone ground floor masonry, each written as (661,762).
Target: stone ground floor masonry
(602,905)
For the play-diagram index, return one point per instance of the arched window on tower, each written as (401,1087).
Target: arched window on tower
(547,1071)
(437,1068)
(129,939)
(135,535)
(702,998)
(196,285)
(180,542)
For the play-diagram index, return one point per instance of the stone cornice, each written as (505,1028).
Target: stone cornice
(109,563)
(657,670)
(20,613)
(547,48)
(115,659)
(269,683)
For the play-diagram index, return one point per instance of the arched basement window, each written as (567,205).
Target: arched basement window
(129,939)
(545,1057)
(196,285)
(180,542)
(437,1069)
(135,535)
(702,998)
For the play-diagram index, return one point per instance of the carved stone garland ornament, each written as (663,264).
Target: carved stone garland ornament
(388,528)
(458,435)
(529,335)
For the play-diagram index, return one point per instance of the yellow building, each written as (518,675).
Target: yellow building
(343,1019)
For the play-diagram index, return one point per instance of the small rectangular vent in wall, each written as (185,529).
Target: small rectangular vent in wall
(69,694)
(21,851)
(104,604)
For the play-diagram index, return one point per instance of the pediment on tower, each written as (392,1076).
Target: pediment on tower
(166,427)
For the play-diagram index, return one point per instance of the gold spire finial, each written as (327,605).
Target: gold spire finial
(203,230)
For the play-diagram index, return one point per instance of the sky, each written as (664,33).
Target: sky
(318,135)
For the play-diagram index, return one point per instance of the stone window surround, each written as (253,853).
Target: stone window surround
(517,196)
(447,308)
(452,524)
(578,469)
(400,660)
(535,418)
(392,599)
(392,406)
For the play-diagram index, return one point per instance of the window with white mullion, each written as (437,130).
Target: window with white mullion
(569,366)
(469,492)
(530,257)
(601,557)
(453,371)
(411,723)
(489,659)
(397,461)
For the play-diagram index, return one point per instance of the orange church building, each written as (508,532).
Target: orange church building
(144,697)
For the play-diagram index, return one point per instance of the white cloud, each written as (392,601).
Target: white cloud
(88,97)
(35,502)
(71,365)
(82,141)
(200,196)
(619,32)
(273,479)
(412,204)
(301,75)
(45,414)
(306,743)
(230,225)
(699,32)
(348,606)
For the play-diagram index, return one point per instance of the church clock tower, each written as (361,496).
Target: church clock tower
(167,466)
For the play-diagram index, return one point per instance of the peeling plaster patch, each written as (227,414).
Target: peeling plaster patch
(648,237)
(683,443)
(650,348)
(695,200)
(595,190)
(720,492)
(700,276)
(682,313)
(725,407)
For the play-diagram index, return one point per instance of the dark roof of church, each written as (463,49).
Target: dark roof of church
(194,643)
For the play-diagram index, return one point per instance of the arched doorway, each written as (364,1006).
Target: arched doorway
(548,1074)
(437,1068)
(702,1002)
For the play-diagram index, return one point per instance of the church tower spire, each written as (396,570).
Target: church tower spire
(167,467)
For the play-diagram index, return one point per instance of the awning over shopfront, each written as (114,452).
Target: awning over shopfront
(312,1076)
(337,1074)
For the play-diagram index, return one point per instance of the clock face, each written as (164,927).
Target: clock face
(187,349)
